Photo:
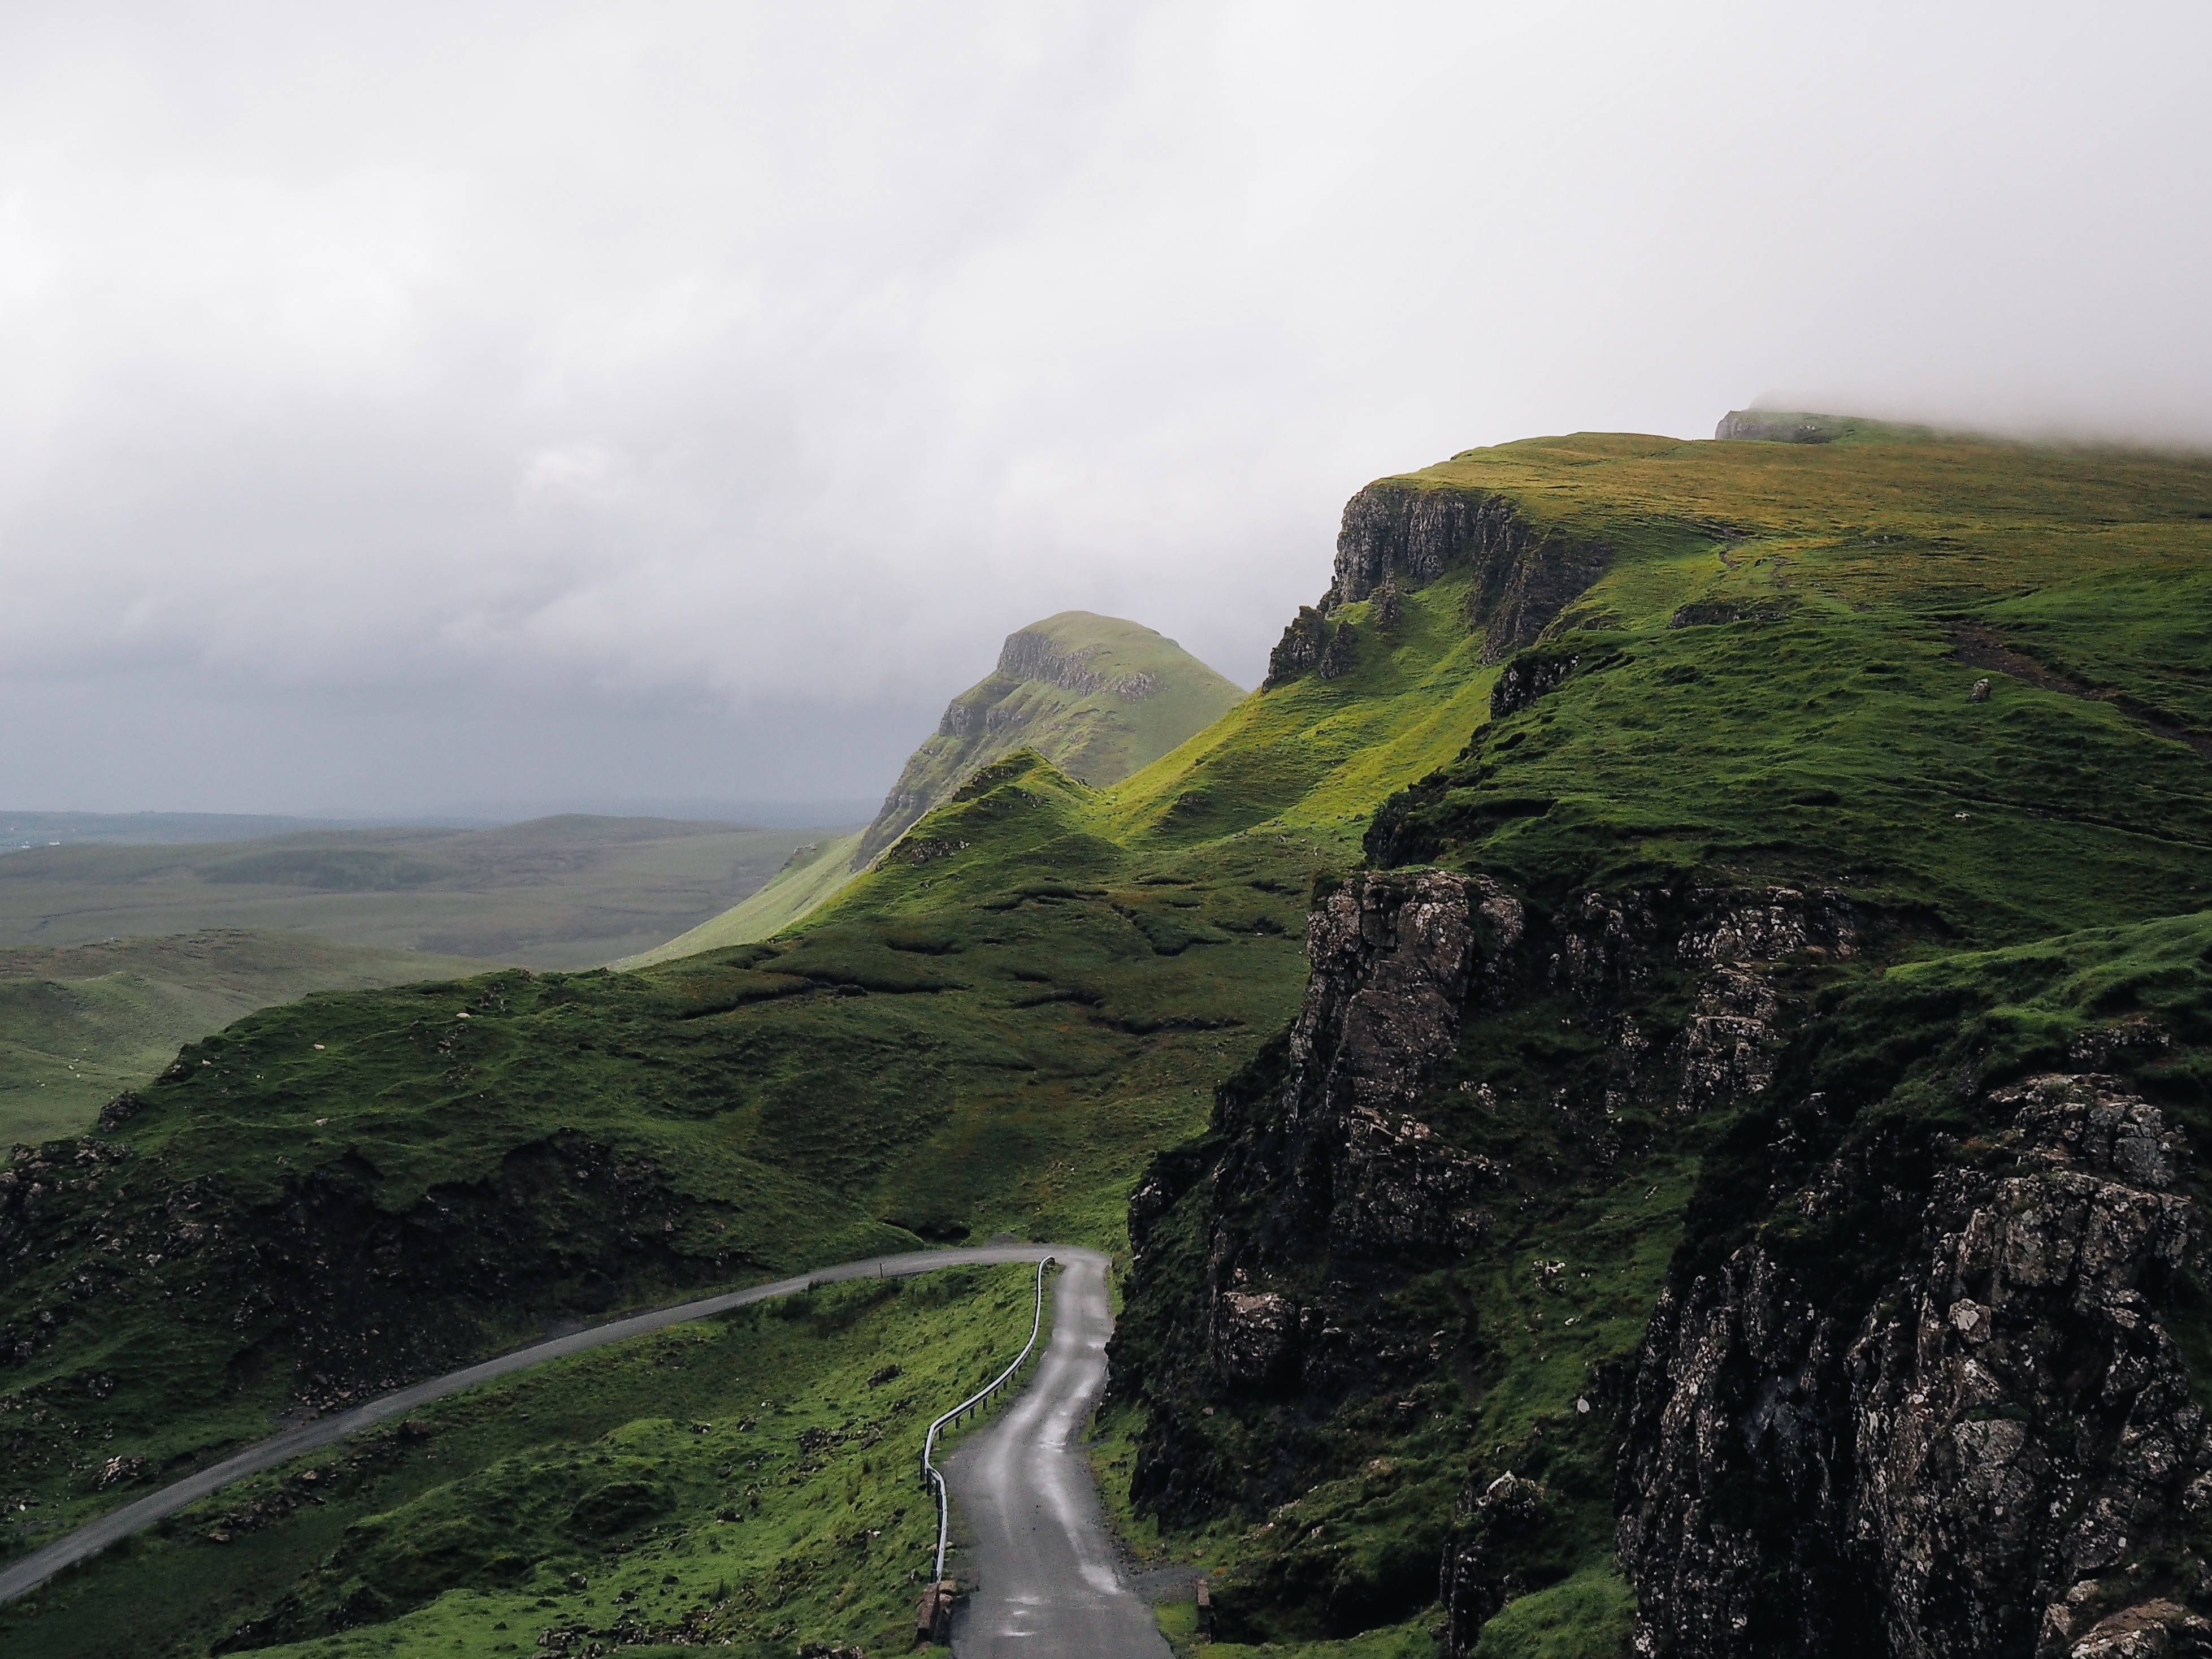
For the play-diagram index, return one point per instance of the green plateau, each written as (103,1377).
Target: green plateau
(1962,683)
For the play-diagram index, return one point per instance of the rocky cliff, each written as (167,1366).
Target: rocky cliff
(1290,1265)
(1983,1437)
(1095,696)
(1402,533)
(1918,1382)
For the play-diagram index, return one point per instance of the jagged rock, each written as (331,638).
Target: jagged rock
(1476,1581)
(1300,650)
(1331,1172)
(1254,1339)
(1401,534)
(1526,679)
(1398,534)
(1400,1191)
(1340,655)
(119,1111)
(1729,1040)
(1390,607)
(1942,1472)
(1769,926)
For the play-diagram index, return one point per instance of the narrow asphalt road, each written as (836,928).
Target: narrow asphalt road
(1046,1579)
(94,1536)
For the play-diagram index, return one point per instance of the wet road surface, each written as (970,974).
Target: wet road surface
(1033,1542)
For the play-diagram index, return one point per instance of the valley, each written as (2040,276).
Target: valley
(1653,912)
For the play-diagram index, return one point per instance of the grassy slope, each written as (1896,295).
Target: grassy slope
(561,893)
(1805,723)
(79,1023)
(996,1026)
(1099,735)
(758,1469)
(812,873)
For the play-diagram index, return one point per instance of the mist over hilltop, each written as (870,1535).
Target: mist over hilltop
(484,402)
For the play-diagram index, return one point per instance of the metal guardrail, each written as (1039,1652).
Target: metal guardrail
(27,1573)
(930,1472)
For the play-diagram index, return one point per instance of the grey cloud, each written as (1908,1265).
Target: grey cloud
(717,384)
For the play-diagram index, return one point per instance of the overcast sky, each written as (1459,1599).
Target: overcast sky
(411,405)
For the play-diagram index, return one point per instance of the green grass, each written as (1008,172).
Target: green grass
(1415,1640)
(1590,1616)
(1038,988)
(753,1475)
(807,880)
(1113,695)
(559,892)
(81,1024)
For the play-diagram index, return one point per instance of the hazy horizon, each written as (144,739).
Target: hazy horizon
(501,403)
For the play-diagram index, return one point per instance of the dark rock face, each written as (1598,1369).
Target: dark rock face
(1398,534)
(1401,533)
(2000,1455)
(1527,678)
(1478,1577)
(1337,1172)
(1393,957)
(1300,649)
(1341,655)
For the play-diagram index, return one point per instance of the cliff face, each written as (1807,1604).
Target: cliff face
(1095,696)
(1287,1266)
(1398,535)
(1918,1382)
(1985,1443)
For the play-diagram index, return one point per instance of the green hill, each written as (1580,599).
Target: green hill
(808,877)
(1645,852)
(1095,696)
(80,1023)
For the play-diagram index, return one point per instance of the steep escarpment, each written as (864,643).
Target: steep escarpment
(1328,1280)
(1404,533)
(1097,696)
(1731,1186)
(1934,1350)
(1925,1375)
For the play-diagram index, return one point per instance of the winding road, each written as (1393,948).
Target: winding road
(1087,1267)
(1041,1570)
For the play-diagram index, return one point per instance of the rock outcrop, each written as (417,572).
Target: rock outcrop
(1995,1450)
(1401,534)
(1341,1166)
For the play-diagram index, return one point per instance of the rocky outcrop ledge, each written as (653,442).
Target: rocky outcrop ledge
(2002,1454)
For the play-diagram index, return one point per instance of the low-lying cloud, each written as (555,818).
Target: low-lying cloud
(471,402)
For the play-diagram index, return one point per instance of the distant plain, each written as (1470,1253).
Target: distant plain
(113,955)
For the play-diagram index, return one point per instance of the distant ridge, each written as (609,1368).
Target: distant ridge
(1095,696)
